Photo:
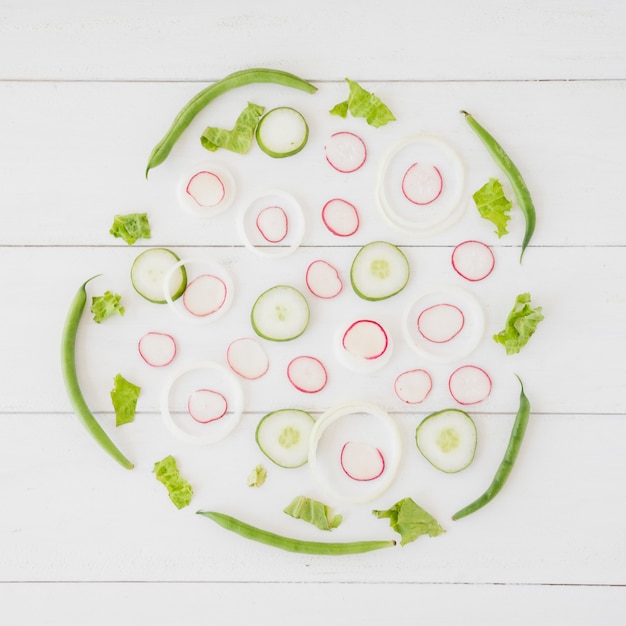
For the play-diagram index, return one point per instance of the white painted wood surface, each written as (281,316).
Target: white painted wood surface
(86,91)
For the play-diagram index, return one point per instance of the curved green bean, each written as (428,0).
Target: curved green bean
(70,377)
(510,455)
(513,174)
(293,545)
(202,98)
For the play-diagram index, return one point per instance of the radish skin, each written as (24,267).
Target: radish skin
(157,349)
(362,461)
(307,374)
(422,184)
(413,386)
(206,189)
(469,384)
(323,280)
(205,295)
(340,217)
(206,405)
(247,358)
(473,260)
(345,152)
(440,323)
(273,224)
(366,339)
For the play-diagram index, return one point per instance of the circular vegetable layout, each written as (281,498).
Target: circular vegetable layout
(206,190)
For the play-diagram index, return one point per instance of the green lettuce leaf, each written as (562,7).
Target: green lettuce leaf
(257,476)
(314,512)
(239,139)
(124,397)
(104,306)
(520,325)
(362,103)
(493,205)
(131,227)
(178,489)
(410,520)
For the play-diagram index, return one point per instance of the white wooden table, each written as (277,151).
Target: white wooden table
(86,90)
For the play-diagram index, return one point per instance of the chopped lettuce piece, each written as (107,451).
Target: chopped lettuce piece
(493,205)
(362,103)
(410,520)
(104,306)
(314,512)
(178,489)
(257,476)
(239,139)
(131,227)
(520,325)
(124,396)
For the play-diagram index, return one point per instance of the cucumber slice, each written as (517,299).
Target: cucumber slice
(379,270)
(148,273)
(283,436)
(447,439)
(280,314)
(282,132)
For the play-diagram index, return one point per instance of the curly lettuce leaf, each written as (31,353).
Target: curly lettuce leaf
(520,324)
(124,397)
(493,205)
(410,520)
(106,305)
(239,138)
(257,476)
(178,489)
(362,103)
(313,512)
(131,227)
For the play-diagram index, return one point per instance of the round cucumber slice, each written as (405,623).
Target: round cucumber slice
(447,439)
(280,314)
(379,270)
(150,271)
(282,132)
(283,436)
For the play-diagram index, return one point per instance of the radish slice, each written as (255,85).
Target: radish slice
(440,323)
(307,374)
(413,386)
(362,461)
(205,405)
(346,152)
(247,358)
(157,349)
(206,190)
(205,295)
(473,260)
(340,217)
(422,183)
(366,339)
(273,224)
(469,384)
(323,280)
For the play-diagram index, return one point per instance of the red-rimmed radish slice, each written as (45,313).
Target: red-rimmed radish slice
(157,349)
(206,189)
(206,405)
(323,280)
(205,295)
(345,151)
(366,339)
(473,260)
(422,183)
(340,217)
(247,358)
(273,224)
(307,374)
(413,386)
(362,461)
(469,384)
(440,323)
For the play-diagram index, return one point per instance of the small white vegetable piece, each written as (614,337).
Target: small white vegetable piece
(323,280)
(379,270)
(340,217)
(447,439)
(280,314)
(307,374)
(469,384)
(247,358)
(206,190)
(157,349)
(205,295)
(282,132)
(413,386)
(364,346)
(362,461)
(156,270)
(346,152)
(206,405)
(273,223)
(283,436)
(440,323)
(422,183)
(473,260)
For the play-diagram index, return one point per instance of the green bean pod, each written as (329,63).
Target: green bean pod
(202,98)
(294,545)
(510,455)
(520,189)
(70,377)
